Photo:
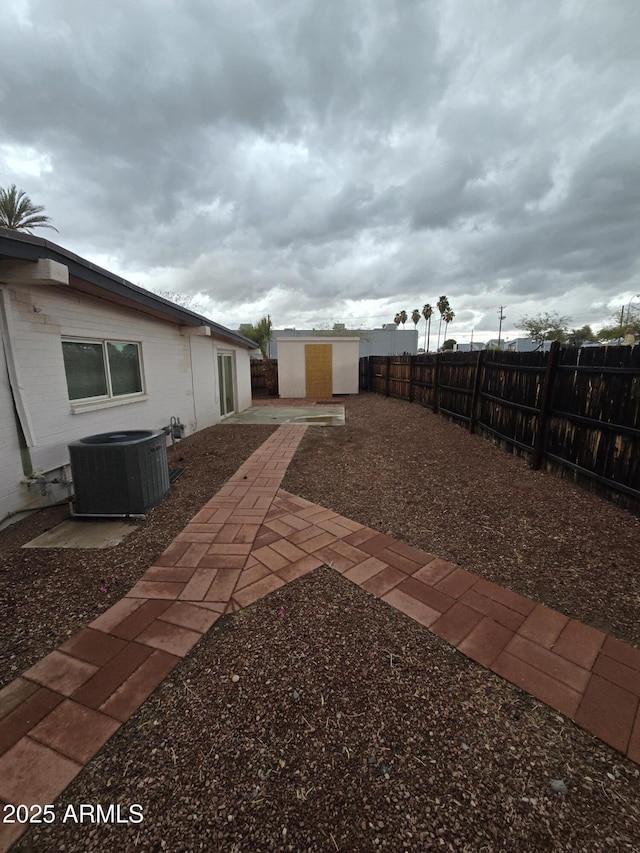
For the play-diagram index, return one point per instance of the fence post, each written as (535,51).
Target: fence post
(411,359)
(436,371)
(545,402)
(475,398)
(386,392)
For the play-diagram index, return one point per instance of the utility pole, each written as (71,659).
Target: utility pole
(635,296)
(501,317)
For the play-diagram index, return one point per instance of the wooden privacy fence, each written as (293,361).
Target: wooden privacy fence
(575,412)
(257,375)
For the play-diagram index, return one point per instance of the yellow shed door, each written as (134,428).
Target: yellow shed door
(318,365)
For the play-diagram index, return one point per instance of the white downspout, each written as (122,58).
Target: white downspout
(17,387)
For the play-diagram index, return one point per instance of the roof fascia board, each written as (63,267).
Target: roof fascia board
(17,245)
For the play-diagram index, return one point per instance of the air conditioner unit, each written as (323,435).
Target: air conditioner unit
(119,473)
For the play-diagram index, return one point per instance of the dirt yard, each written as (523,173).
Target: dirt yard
(350,727)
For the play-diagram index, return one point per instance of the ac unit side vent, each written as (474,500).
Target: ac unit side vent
(119,473)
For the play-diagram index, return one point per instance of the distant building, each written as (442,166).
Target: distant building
(388,340)
(526,345)
(518,345)
(476,346)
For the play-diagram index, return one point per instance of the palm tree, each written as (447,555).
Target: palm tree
(18,212)
(403,318)
(427,313)
(397,319)
(260,334)
(443,305)
(415,317)
(448,317)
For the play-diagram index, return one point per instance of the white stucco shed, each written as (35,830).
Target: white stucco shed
(318,366)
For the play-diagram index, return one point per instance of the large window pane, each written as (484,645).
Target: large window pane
(85,369)
(124,366)
(228,384)
(221,386)
(225,381)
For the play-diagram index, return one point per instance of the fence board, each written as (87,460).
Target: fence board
(258,383)
(456,378)
(510,395)
(377,371)
(424,379)
(595,418)
(399,376)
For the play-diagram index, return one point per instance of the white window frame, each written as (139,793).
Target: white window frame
(109,396)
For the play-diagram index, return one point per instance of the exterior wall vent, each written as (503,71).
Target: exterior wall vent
(119,473)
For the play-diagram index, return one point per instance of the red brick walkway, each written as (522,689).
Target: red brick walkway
(248,540)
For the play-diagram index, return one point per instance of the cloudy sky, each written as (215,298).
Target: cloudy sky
(336,160)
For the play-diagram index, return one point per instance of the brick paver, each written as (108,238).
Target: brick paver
(456,623)
(75,730)
(248,540)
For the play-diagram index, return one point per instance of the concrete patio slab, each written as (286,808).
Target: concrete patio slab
(322,416)
(77,533)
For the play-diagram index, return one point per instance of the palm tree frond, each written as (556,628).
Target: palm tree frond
(19,213)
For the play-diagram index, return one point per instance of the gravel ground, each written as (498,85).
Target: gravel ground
(350,727)
(46,595)
(401,469)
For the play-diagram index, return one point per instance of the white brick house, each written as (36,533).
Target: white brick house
(85,352)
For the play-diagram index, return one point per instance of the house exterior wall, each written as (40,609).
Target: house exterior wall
(179,374)
(291,364)
(205,383)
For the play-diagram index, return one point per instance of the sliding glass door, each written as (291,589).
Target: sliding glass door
(225,384)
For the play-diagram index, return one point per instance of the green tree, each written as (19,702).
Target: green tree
(260,334)
(397,319)
(19,213)
(415,317)
(578,337)
(545,327)
(449,344)
(443,306)
(427,313)
(403,318)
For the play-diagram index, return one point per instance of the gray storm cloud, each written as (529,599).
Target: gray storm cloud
(329,158)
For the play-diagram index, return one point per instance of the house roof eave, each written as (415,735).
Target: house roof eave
(88,277)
